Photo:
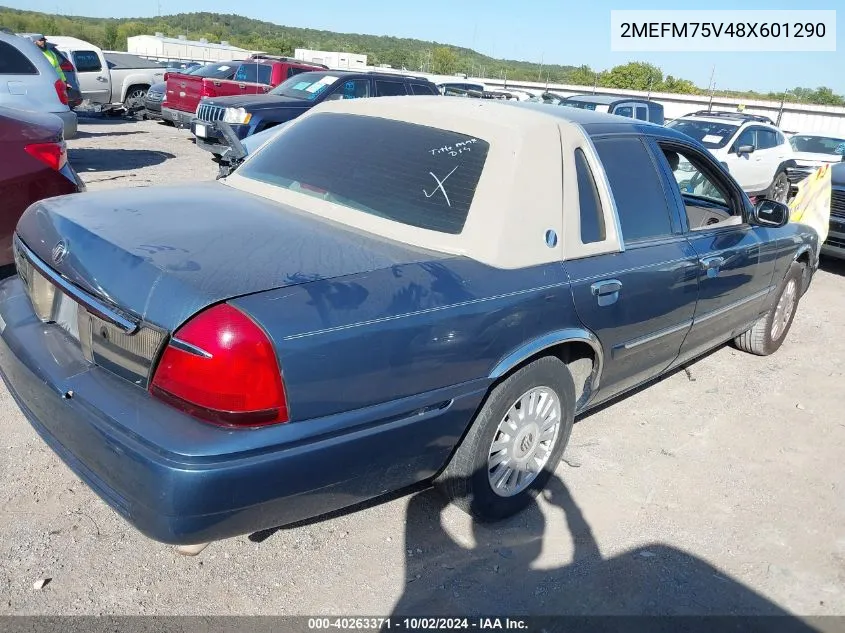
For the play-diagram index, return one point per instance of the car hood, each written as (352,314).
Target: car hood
(164,253)
(259,102)
(810,159)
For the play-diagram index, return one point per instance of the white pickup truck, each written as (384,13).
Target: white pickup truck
(106,79)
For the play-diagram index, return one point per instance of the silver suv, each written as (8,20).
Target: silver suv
(29,82)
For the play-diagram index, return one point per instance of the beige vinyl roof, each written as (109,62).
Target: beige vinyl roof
(522,191)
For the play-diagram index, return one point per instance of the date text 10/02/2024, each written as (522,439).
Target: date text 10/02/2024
(416,624)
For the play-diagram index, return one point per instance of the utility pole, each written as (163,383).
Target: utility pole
(540,69)
(595,81)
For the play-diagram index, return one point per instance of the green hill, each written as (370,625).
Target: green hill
(416,55)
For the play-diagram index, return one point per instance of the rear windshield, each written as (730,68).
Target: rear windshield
(818,144)
(413,174)
(215,71)
(712,134)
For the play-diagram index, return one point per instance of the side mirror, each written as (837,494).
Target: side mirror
(770,214)
(744,149)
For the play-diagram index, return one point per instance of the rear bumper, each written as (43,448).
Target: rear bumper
(181,119)
(153,109)
(181,481)
(70,123)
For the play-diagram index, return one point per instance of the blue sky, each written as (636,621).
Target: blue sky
(560,31)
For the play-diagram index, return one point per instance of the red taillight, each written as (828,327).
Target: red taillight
(206,90)
(67,66)
(61,90)
(166,75)
(54,155)
(222,368)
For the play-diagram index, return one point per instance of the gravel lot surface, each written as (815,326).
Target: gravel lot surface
(717,490)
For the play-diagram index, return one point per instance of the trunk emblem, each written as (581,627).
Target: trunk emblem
(59,252)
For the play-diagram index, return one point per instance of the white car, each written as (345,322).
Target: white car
(811,151)
(755,152)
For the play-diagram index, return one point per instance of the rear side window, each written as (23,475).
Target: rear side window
(423,89)
(412,174)
(247,73)
(265,74)
(13,62)
(634,181)
(87,62)
(389,88)
(592,217)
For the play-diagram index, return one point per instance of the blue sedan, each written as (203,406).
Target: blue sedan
(388,291)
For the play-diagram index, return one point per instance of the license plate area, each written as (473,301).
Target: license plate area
(200,130)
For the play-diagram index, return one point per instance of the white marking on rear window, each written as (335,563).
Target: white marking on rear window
(712,138)
(440,186)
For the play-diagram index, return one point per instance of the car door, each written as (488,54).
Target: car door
(247,78)
(736,260)
(639,302)
(93,76)
(771,150)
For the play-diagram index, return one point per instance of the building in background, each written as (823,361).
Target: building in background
(182,49)
(341,61)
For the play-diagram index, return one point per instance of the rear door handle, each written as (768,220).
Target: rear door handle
(607,291)
(711,265)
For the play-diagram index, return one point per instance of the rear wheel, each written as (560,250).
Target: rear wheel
(779,189)
(768,334)
(514,444)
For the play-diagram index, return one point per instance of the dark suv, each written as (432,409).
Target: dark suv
(249,114)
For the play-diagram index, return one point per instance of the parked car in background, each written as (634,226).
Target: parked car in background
(182,95)
(755,152)
(255,113)
(631,107)
(178,360)
(254,76)
(153,101)
(33,166)
(811,151)
(468,86)
(73,92)
(834,245)
(109,84)
(28,81)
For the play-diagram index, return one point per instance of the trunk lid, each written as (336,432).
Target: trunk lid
(164,253)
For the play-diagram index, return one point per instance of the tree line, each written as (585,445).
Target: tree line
(407,53)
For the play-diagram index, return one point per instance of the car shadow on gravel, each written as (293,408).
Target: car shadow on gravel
(86,160)
(494,576)
(84,134)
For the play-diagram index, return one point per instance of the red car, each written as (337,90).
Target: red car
(33,166)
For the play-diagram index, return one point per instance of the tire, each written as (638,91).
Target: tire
(764,338)
(466,480)
(134,100)
(779,189)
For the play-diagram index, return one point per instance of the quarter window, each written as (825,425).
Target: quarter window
(592,217)
(13,62)
(87,62)
(639,195)
(422,89)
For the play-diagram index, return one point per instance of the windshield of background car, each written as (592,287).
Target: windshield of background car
(305,86)
(818,144)
(413,174)
(711,134)
(213,71)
